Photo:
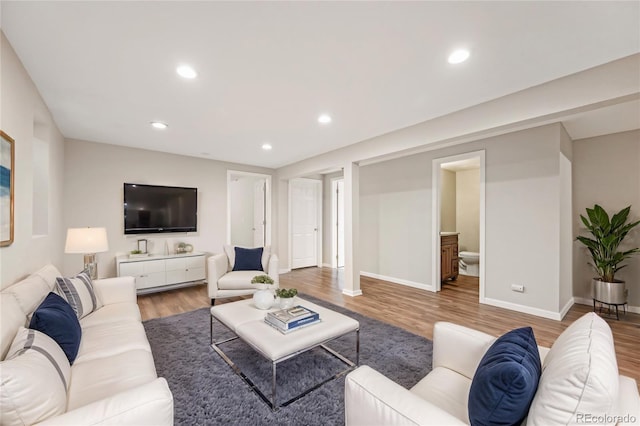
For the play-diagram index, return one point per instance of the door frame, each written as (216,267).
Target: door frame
(435,216)
(319,233)
(267,206)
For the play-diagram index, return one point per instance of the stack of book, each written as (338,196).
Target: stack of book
(287,320)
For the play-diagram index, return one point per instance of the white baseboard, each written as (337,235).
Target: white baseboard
(583,301)
(399,281)
(327,265)
(566,307)
(352,293)
(284,271)
(524,309)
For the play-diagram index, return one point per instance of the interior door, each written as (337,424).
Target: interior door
(248,209)
(305,218)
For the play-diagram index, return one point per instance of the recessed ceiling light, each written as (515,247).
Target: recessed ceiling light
(186,71)
(159,125)
(266,146)
(458,56)
(324,119)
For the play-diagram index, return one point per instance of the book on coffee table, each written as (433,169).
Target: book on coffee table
(292,318)
(298,326)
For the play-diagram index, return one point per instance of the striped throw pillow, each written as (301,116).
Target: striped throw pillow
(79,293)
(34,379)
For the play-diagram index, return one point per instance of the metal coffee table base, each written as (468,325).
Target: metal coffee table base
(274,364)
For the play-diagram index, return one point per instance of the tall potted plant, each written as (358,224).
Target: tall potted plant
(606,236)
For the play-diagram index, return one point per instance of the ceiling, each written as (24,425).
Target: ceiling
(267,70)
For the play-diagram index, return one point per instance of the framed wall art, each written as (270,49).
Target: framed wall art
(7,185)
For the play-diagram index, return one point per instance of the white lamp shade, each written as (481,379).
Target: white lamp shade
(86,240)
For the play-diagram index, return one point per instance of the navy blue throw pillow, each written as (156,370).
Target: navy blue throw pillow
(248,259)
(56,318)
(506,380)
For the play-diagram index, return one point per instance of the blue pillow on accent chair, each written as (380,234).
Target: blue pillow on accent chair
(57,319)
(248,259)
(506,380)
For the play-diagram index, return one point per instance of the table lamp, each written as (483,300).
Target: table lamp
(88,241)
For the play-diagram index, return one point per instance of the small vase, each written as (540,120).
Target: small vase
(286,302)
(263,299)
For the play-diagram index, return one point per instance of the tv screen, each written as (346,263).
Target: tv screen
(153,209)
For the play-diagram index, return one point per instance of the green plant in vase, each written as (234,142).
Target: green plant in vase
(286,296)
(606,236)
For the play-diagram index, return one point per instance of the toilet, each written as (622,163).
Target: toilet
(469,263)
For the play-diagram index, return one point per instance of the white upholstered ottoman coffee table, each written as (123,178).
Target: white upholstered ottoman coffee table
(247,323)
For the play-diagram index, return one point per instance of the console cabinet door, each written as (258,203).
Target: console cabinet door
(147,273)
(195,268)
(176,271)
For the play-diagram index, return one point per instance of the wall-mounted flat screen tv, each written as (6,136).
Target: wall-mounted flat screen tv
(150,209)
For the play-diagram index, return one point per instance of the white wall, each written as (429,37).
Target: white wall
(448,188)
(94,175)
(395,219)
(606,171)
(468,209)
(24,116)
(522,216)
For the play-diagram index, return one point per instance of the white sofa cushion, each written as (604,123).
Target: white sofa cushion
(107,340)
(29,293)
(579,375)
(117,312)
(11,319)
(35,378)
(100,378)
(78,292)
(442,387)
(237,280)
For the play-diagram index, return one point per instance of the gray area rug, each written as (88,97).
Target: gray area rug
(206,391)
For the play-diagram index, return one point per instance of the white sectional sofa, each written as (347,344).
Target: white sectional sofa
(113,378)
(579,383)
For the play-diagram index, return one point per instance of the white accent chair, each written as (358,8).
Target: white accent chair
(579,379)
(224,282)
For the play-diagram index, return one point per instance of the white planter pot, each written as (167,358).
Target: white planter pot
(263,299)
(614,293)
(286,302)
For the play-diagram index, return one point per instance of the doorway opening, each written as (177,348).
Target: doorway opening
(305,223)
(337,223)
(248,209)
(458,219)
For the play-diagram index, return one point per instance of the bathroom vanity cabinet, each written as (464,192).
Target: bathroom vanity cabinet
(448,256)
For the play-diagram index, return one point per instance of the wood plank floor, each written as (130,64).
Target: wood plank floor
(416,310)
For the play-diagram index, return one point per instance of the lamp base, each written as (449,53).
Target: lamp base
(91,266)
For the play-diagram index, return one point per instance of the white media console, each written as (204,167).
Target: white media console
(163,272)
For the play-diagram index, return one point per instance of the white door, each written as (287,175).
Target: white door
(259,196)
(248,209)
(306,203)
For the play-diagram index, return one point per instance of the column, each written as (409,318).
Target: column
(351,230)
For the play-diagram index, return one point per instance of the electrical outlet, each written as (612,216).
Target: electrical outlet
(517,287)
